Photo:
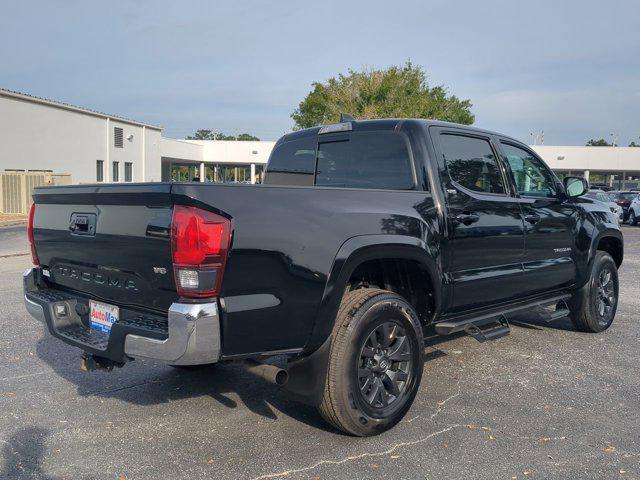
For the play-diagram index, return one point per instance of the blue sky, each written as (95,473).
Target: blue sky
(570,68)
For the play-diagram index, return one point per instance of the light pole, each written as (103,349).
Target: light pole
(615,139)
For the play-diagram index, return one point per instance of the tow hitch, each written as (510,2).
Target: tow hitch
(90,363)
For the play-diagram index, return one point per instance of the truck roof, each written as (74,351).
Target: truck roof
(387,124)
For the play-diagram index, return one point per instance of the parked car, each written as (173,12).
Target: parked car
(600,186)
(605,198)
(634,210)
(363,234)
(623,198)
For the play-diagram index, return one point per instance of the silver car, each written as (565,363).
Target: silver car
(602,196)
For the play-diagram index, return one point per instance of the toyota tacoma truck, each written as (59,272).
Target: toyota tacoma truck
(363,235)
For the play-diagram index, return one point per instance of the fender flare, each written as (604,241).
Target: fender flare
(609,231)
(307,373)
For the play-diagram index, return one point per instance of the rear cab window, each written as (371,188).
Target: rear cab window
(369,160)
(292,163)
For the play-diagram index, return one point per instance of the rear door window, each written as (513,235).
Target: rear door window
(377,160)
(472,163)
(292,163)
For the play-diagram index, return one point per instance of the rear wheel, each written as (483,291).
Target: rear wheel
(375,362)
(594,306)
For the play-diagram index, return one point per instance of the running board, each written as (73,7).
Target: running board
(468,322)
(561,311)
(489,331)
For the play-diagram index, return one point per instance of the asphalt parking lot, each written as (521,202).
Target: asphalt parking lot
(544,402)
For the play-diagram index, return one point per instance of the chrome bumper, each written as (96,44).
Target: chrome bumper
(194,337)
(193,331)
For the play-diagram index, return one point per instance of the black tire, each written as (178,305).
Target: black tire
(594,306)
(633,220)
(367,393)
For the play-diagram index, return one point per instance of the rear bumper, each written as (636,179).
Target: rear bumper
(188,335)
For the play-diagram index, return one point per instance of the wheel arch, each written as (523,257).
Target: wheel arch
(308,372)
(607,239)
(354,253)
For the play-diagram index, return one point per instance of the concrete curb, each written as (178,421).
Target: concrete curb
(12,223)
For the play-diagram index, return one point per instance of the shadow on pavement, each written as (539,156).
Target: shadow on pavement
(23,455)
(147,383)
(143,383)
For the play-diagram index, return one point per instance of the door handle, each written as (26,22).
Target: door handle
(532,218)
(466,218)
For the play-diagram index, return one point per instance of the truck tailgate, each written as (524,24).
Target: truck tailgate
(110,242)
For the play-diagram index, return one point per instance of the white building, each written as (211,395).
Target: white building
(608,165)
(40,134)
(214,160)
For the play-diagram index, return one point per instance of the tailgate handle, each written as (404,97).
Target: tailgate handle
(83,224)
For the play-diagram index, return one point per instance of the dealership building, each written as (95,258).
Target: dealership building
(39,135)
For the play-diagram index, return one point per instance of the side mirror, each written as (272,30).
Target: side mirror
(575,186)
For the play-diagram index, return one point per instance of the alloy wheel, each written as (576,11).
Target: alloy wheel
(605,300)
(384,365)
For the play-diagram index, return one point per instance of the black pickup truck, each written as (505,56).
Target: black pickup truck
(363,235)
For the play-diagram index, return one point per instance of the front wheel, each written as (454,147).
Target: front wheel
(375,362)
(633,220)
(594,306)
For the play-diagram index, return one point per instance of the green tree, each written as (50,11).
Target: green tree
(396,92)
(634,144)
(598,143)
(245,137)
(202,134)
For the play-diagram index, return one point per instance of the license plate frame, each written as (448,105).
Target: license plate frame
(103,316)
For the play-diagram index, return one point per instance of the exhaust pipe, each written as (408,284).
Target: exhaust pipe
(270,373)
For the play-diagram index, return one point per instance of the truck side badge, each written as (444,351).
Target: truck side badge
(159,270)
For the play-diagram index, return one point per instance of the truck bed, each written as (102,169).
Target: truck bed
(284,243)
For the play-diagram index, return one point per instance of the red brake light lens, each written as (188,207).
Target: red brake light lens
(199,246)
(34,256)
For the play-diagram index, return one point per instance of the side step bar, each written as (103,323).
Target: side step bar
(490,331)
(494,324)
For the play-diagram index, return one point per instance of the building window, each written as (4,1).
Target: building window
(100,171)
(259,173)
(128,172)
(115,177)
(232,173)
(118,137)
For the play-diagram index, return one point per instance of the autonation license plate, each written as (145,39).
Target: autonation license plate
(103,316)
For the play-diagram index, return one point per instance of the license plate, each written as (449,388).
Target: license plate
(103,316)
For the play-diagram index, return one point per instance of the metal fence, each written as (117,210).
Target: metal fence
(16,188)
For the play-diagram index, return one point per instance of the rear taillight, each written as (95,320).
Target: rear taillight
(199,248)
(34,257)
(620,202)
